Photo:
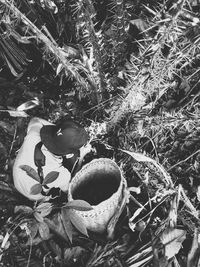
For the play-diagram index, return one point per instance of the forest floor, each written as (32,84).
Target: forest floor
(170,194)
(145,117)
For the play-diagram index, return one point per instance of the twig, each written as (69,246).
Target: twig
(11,147)
(178,163)
(30,251)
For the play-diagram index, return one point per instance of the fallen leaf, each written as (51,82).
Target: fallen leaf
(15,113)
(193,255)
(172,239)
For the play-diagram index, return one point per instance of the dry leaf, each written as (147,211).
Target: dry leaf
(28,105)
(15,113)
(172,240)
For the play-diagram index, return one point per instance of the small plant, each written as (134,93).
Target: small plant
(35,225)
(37,188)
(71,218)
(62,222)
(68,218)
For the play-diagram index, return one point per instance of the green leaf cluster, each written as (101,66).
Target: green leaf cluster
(37,188)
(71,219)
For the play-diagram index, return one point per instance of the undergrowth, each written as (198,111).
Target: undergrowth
(132,69)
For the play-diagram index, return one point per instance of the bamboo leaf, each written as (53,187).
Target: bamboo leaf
(28,105)
(65,216)
(59,68)
(44,230)
(79,205)
(36,189)
(11,67)
(77,222)
(15,113)
(50,177)
(31,172)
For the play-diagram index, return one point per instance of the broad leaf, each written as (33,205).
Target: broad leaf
(31,172)
(44,230)
(33,227)
(65,216)
(44,209)
(57,226)
(78,223)
(79,205)
(23,209)
(38,217)
(50,177)
(36,189)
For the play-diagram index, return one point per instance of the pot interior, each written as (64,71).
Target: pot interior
(98,184)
